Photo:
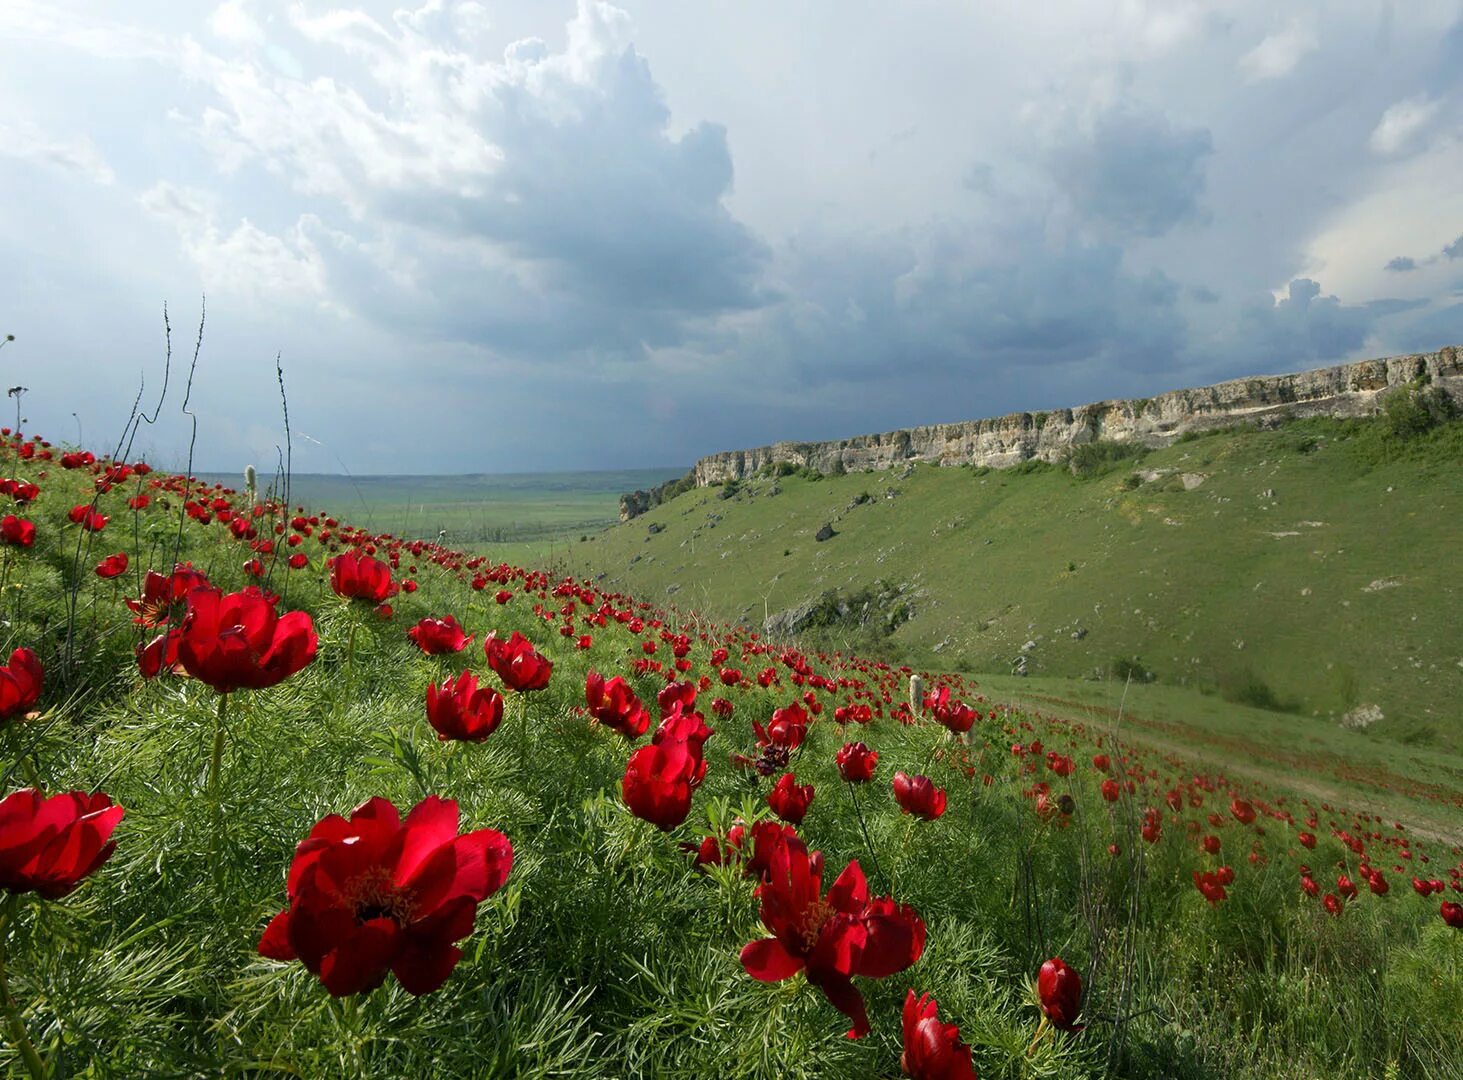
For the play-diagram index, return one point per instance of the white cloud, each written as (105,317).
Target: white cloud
(1279,53)
(232,21)
(79,155)
(244,261)
(1403,125)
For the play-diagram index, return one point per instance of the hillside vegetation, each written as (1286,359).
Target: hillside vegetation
(564,871)
(1308,569)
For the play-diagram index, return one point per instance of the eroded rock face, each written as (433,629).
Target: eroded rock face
(1347,390)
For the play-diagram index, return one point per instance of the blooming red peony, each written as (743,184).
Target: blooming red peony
(789,801)
(856,762)
(355,575)
(615,705)
(237,641)
(460,709)
(47,845)
(17,531)
(375,894)
(516,663)
(112,566)
(918,795)
(435,637)
(932,1050)
(831,938)
(21,681)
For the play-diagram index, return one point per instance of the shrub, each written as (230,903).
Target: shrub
(1415,410)
(1130,667)
(1102,455)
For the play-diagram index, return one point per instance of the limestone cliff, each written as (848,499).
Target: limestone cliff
(1346,390)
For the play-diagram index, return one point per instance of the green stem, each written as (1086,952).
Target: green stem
(215,768)
(15,1028)
(869,844)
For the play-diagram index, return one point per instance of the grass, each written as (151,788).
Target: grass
(478,512)
(607,954)
(1303,568)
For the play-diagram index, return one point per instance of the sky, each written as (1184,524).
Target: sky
(528,235)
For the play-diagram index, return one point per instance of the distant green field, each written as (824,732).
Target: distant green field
(475,511)
(1307,570)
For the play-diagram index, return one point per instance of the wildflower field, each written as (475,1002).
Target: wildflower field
(286,798)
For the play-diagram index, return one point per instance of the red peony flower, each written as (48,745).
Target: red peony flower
(460,709)
(787,728)
(673,693)
(516,663)
(1211,885)
(953,715)
(1243,811)
(789,801)
(163,598)
(374,894)
(18,532)
(932,1050)
(615,705)
(112,566)
(82,514)
(1111,790)
(438,636)
(918,795)
(47,845)
(831,938)
(856,762)
(355,575)
(1060,990)
(657,785)
(238,641)
(1452,914)
(21,681)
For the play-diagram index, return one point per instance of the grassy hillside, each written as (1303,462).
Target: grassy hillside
(1311,568)
(1179,890)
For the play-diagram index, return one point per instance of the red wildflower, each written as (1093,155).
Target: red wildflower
(1111,790)
(460,709)
(18,532)
(954,715)
(438,636)
(832,938)
(516,663)
(355,575)
(21,681)
(82,514)
(932,1050)
(787,728)
(373,895)
(615,705)
(47,845)
(1210,884)
(673,693)
(1059,989)
(657,783)
(1333,904)
(1307,840)
(789,801)
(162,599)
(1452,914)
(1242,811)
(238,641)
(856,762)
(918,795)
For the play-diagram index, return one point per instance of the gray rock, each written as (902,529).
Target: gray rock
(825,533)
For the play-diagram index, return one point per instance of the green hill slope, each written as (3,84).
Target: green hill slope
(1312,568)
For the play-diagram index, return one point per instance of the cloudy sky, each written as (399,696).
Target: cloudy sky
(539,234)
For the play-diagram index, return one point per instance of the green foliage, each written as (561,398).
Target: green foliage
(1249,689)
(1416,409)
(1131,668)
(1100,456)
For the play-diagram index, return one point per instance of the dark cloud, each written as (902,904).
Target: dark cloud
(1401,263)
(1455,249)
(1134,171)
(1303,329)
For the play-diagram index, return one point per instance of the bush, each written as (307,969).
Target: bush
(1416,410)
(1249,689)
(1095,458)
(1130,667)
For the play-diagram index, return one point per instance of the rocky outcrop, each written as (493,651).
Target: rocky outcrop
(1346,390)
